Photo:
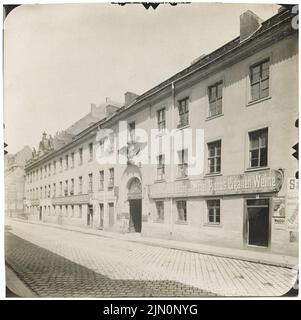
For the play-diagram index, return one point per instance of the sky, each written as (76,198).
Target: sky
(58,59)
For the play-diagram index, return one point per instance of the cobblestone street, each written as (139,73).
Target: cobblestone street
(61,263)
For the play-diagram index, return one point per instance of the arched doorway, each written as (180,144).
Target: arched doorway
(135,202)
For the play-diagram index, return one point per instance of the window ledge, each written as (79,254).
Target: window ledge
(182,178)
(213,174)
(257,169)
(250,103)
(214,225)
(214,117)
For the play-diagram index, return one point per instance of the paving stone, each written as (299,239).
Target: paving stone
(65,263)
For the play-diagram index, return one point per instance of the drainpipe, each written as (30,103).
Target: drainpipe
(172,174)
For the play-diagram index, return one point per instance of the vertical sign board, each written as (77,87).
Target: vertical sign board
(292,213)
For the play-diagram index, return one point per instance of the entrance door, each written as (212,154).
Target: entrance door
(258,222)
(111,214)
(40,214)
(90,216)
(101,215)
(135,215)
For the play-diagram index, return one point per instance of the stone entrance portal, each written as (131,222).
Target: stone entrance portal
(135,203)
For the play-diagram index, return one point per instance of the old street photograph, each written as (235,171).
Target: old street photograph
(151,151)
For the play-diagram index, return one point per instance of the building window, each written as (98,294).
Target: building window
(72,210)
(259,78)
(66,211)
(49,169)
(161,167)
(66,188)
(90,151)
(161,119)
(54,167)
(111,178)
(90,186)
(213,208)
(61,164)
(41,173)
(80,211)
(80,185)
(183,163)
(215,93)
(54,190)
(183,112)
(80,152)
(66,161)
(45,171)
(214,157)
(61,188)
(131,137)
(49,191)
(101,180)
(41,192)
(45,192)
(258,148)
(72,187)
(182,210)
(160,211)
(72,160)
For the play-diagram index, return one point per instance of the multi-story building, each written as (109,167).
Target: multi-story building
(14,177)
(243,100)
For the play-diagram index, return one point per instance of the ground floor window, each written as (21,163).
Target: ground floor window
(80,211)
(213,209)
(182,210)
(160,211)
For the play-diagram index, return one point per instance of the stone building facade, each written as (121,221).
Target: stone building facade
(243,99)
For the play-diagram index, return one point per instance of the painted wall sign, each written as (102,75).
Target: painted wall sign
(251,182)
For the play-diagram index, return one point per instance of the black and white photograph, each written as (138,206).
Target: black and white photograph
(151,150)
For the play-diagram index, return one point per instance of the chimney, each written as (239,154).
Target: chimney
(129,97)
(249,23)
(93,109)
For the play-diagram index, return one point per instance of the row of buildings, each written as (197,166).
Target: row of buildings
(244,98)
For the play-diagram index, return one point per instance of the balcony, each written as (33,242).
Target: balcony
(72,199)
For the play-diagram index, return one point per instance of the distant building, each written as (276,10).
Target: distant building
(244,96)
(14,178)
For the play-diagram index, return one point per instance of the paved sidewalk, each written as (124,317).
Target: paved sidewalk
(58,262)
(245,255)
